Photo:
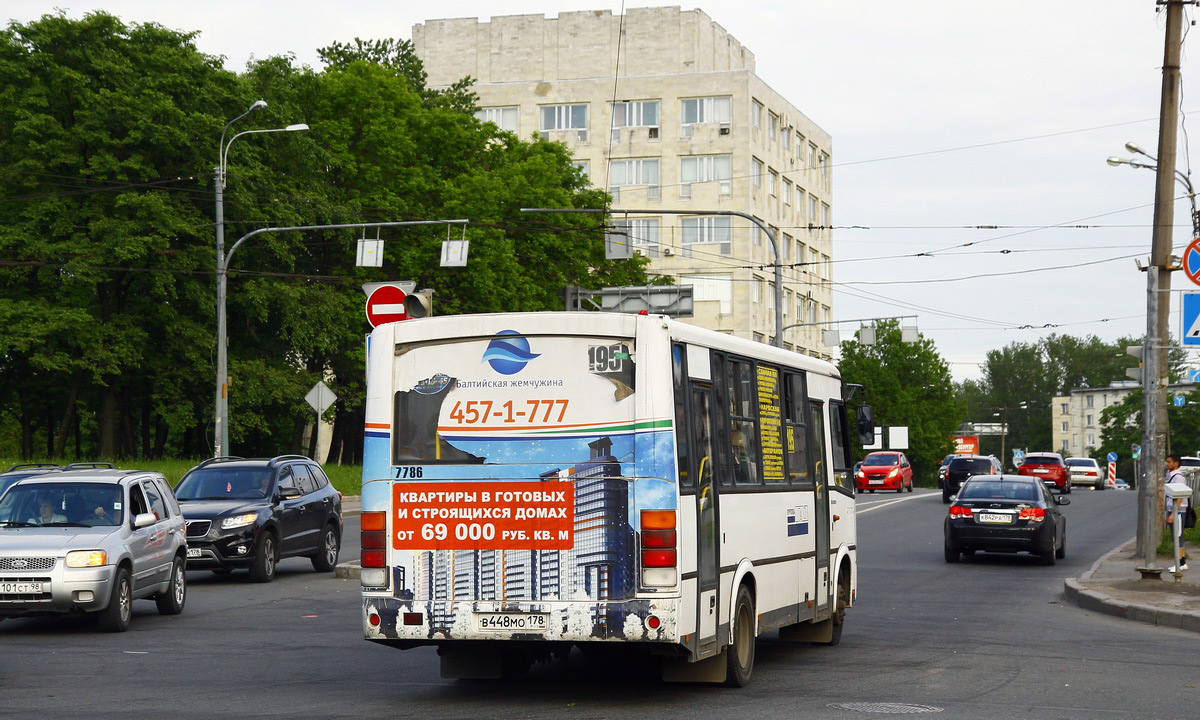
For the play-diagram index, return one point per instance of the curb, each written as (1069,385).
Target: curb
(348,571)
(1088,599)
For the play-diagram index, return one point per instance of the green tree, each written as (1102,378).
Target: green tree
(907,384)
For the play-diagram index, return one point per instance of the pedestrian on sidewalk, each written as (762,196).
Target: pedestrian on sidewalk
(1176,509)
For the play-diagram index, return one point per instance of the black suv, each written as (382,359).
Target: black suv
(252,513)
(962,467)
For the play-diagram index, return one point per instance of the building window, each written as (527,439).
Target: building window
(1064,427)
(709,168)
(756,109)
(786,247)
(825,220)
(1065,409)
(642,234)
(800,200)
(712,231)
(756,171)
(787,300)
(823,163)
(1091,439)
(786,138)
(812,156)
(756,235)
(640,113)
(801,301)
(799,146)
(787,192)
(772,183)
(712,287)
(504,117)
(582,166)
(772,126)
(799,252)
(756,289)
(812,210)
(626,173)
(695,111)
(1090,400)
(565,117)
(1091,420)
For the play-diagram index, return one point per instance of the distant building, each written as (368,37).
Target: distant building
(663,108)
(1077,428)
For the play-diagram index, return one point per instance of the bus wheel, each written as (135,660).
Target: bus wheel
(839,614)
(739,657)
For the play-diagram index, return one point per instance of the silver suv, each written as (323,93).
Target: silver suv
(91,541)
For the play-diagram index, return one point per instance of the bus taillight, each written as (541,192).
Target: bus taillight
(374,539)
(659,558)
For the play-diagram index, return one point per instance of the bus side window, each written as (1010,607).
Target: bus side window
(796,430)
(721,403)
(743,434)
(818,444)
(839,431)
(679,386)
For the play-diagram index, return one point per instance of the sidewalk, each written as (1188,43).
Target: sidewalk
(1114,586)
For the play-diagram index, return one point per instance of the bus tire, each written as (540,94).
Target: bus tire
(839,612)
(739,656)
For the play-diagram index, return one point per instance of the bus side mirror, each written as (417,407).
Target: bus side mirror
(866,424)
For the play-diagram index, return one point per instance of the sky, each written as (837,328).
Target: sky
(970,189)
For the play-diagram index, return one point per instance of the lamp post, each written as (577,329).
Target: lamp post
(1180,177)
(770,236)
(1003,415)
(221,411)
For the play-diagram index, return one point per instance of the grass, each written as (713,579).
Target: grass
(346,478)
(1166,548)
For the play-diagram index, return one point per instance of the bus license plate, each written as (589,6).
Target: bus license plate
(994,518)
(193,552)
(511,622)
(20,588)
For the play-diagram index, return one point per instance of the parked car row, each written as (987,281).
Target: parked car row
(88,538)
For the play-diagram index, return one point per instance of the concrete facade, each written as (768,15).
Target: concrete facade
(1076,422)
(663,108)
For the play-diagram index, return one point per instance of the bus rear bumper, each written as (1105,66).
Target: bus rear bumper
(409,623)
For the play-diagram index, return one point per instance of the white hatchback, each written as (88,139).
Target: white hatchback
(1085,471)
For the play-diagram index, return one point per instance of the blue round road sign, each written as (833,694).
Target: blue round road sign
(1112,457)
(1191,261)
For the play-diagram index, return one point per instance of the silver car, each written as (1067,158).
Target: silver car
(91,541)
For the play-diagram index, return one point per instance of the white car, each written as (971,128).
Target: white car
(1085,471)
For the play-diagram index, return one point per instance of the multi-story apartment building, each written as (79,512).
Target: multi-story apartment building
(1077,427)
(663,108)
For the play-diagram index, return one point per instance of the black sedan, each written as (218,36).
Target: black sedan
(1006,513)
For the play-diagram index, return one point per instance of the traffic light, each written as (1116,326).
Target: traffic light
(419,304)
(1134,373)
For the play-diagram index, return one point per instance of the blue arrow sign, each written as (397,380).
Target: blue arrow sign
(1191,318)
(1112,457)
(1180,401)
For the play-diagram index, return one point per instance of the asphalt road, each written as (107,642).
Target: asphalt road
(990,637)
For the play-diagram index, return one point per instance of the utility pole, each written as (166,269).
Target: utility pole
(1158,302)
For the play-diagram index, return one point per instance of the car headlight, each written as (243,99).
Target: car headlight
(238,521)
(86,558)
(894,472)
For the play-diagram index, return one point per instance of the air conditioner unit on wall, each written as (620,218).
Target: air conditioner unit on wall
(668,251)
(725,129)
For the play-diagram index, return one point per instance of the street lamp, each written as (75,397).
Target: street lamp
(1180,177)
(1003,415)
(221,411)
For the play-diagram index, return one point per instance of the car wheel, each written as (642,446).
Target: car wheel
(910,486)
(265,557)
(171,601)
(326,559)
(1067,488)
(739,657)
(1049,555)
(115,617)
(952,553)
(871,491)
(1061,552)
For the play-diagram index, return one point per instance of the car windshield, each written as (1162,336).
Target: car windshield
(997,490)
(64,504)
(978,466)
(1081,462)
(225,483)
(877,460)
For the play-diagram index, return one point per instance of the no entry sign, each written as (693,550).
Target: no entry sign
(1191,261)
(385,304)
